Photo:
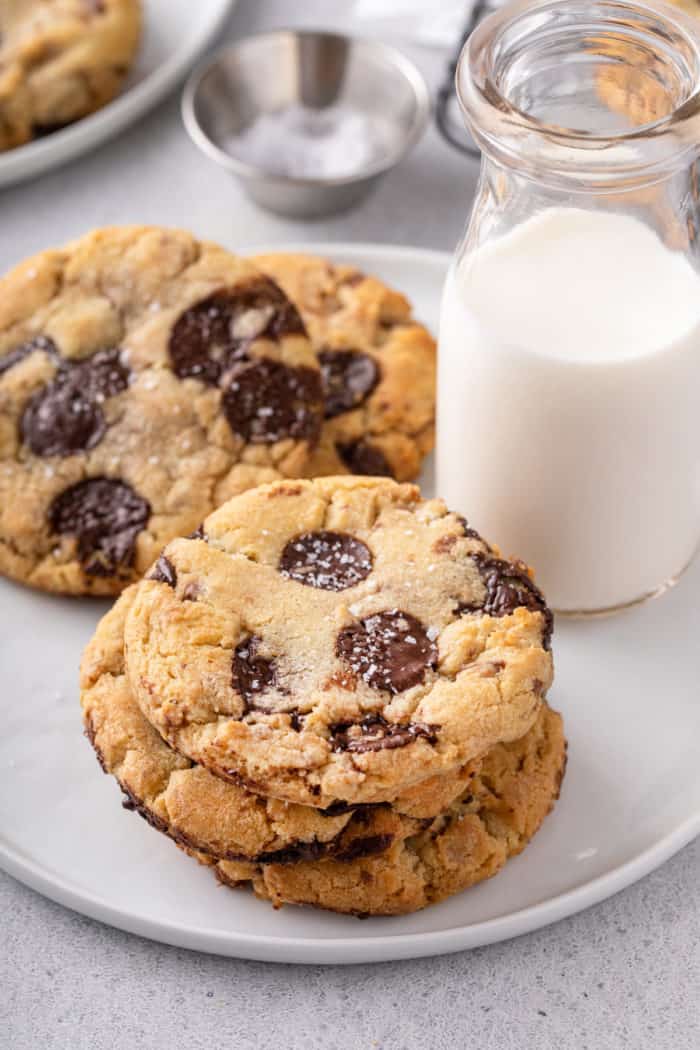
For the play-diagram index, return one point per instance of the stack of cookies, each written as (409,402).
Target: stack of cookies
(332,691)
(314,681)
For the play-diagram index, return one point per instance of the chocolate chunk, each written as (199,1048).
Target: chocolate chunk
(62,419)
(509,587)
(105,516)
(349,377)
(192,591)
(266,401)
(198,533)
(363,458)
(339,807)
(374,733)
(41,342)
(216,332)
(367,846)
(469,532)
(331,561)
(65,417)
(390,650)
(360,846)
(252,674)
(312,850)
(164,572)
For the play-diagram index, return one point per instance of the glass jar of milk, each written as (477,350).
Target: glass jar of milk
(569,352)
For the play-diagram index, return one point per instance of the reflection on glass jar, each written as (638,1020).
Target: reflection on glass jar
(569,364)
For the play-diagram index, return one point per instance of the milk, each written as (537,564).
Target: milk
(569,403)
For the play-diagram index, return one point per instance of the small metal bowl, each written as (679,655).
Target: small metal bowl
(270,71)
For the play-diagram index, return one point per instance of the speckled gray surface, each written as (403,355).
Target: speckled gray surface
(624,974)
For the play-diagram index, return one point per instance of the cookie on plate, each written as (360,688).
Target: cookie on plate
(60,60)
(378,366)
(145,377)
(337,640)
(501,807)
(210,815)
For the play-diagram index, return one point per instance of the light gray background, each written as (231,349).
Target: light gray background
(625,974)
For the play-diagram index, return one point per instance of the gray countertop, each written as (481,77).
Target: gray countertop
(624,974)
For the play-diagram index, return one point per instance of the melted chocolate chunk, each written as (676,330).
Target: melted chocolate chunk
(216,332)
(252,674)
(367,846)
(376,734)
(266,401)
(469,532)
(301,851)
(198,534)
(65,417)
(362,458)
(337,808)
(164,572)
(390,650)
(41,342)
(105,516)
(509,587)
(331,561)
(349,377)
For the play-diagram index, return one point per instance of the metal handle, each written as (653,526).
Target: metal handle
(452,133)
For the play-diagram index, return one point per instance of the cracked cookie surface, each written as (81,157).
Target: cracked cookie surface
(378,366)
(145,378)
(202,812)
(347,641)
(61,60)
(499,810)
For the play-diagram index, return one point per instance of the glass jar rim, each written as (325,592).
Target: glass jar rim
(644,153)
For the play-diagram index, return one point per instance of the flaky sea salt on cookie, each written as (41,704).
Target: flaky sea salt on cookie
(145,377)
(337,640)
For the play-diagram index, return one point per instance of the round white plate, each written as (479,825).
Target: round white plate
(175,33)
(627,687)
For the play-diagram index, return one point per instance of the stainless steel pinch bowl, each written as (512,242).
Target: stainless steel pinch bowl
(308,121)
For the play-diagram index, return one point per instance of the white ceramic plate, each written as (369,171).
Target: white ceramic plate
(176,32)
(627,687)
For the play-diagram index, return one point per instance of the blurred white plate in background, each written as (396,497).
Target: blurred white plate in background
(176,32)
(627,687)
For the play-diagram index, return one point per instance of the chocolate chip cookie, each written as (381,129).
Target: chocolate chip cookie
(60,60)
(337,641)
(378,367)
(205,813)
(145,377)
(500,809)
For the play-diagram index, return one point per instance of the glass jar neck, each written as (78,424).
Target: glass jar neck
(587,96)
